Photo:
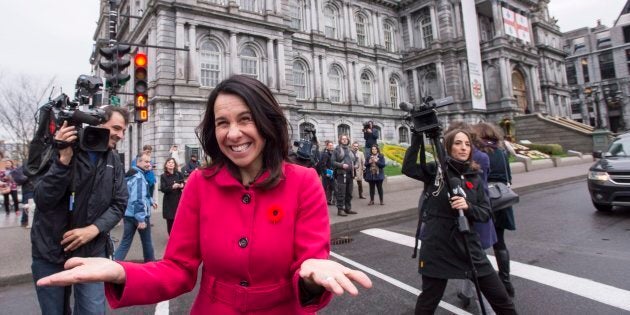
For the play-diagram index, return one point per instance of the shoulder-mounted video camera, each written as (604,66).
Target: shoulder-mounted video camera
(52,115)
(423,118)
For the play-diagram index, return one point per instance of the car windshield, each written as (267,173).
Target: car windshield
(620,147)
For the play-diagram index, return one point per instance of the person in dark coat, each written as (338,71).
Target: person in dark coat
(374,174)
(370,135)
(171,184)
(442,252)
(490,141)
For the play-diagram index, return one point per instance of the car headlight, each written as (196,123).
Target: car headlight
(598,176)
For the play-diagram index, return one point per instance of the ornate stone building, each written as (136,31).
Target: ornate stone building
(334,64)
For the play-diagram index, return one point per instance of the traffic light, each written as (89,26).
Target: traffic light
(140,88)
(114,64)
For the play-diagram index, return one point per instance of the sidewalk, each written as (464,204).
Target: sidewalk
(401,196)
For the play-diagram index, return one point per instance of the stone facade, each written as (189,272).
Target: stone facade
(335,64)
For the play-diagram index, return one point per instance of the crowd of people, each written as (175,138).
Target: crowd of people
(252,202)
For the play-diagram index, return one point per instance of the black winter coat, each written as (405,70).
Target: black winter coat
(100,198)
(442,252)
(171,196)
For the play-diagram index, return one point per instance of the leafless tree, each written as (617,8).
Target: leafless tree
(20,97)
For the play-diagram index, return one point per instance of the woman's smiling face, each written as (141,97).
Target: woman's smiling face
(236,132)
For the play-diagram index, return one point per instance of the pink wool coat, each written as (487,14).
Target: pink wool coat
(251,243)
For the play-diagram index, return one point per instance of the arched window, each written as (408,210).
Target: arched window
(248,5)
(388,37)
(403,135)
(366,89)
(300,79)
(394,91)
(210,64)
(361,27)
(335,84)
(343,129)
(331,18)
(426,29)
(303,127)
(249,62)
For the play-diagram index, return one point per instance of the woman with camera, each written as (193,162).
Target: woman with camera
(374,173)
(171,184)
(445,252)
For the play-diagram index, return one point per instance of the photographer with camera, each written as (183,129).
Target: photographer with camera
(445,253)
(80,198)
(171,184)
(370,135)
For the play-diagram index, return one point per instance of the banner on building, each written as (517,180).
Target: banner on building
(516,25)
(473,53)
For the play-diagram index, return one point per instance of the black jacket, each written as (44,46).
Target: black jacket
(171,196)
(442,253)
(100,198)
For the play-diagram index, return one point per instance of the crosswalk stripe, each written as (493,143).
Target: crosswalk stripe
(162,308)
(390,280)
(587,288)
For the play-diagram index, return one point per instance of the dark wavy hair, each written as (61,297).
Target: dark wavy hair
(176,169)
(449,140)
(269,120)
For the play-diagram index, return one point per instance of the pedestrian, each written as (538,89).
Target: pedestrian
(27,192)
(79,200)
(491,142)
(442,254)
(375,173)
(192,165)
(370,135)
(343,168)
(171,184)
(5,176)
(359,167)
(258,223)
(148,175)
(138,213)
(328,180)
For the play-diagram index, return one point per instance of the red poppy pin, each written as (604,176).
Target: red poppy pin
(275,214)
(469,185)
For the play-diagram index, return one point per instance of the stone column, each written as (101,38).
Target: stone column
(416,87)
(193,55)
(233,54)
(374,35)
(282,84)
(497,16)
(180,55)
(152,55)
(324,67)
(349,82)
(379,85)
(434,24)
(439,67)
(354,82)
(346,19)
(314,18)
(269,7)
(458,19)
(317,77)
(503,71)
(271,65)
(410,30)
(536,83)
(353,26)
(320,16)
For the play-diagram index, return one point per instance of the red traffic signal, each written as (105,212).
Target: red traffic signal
(140,88)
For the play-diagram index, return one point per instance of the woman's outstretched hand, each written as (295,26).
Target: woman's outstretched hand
(333,276)
(80,270)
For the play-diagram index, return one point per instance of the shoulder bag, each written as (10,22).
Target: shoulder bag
(501,195)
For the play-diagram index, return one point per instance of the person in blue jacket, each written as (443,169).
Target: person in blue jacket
(138,212)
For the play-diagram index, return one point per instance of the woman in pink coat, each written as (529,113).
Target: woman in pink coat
(258,224)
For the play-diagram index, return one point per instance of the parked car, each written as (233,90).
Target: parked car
(609,177)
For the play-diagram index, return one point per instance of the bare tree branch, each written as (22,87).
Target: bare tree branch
(20,98)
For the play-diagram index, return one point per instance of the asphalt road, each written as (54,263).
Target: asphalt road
(567,259)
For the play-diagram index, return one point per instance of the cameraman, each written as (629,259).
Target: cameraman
(370,135)
(446,253)
(79,200)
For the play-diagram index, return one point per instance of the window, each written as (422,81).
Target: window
(578,45)
(426,29)
(330,22)
(584,63)
(626,34)
(296,13)
(388,32)
(299,80)
(248,5)
(366,88)
(571,73)
(628,59)
(210,64)
(394,92)
(343,129)
(249,62)
(334,81)
(607,65)
(603,40)
(303,133)
(361,30)
(403,135)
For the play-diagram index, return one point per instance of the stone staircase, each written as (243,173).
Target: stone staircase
(539,128)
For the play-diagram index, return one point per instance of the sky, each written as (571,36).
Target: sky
(44,39)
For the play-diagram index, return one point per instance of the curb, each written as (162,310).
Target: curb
(16,279)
